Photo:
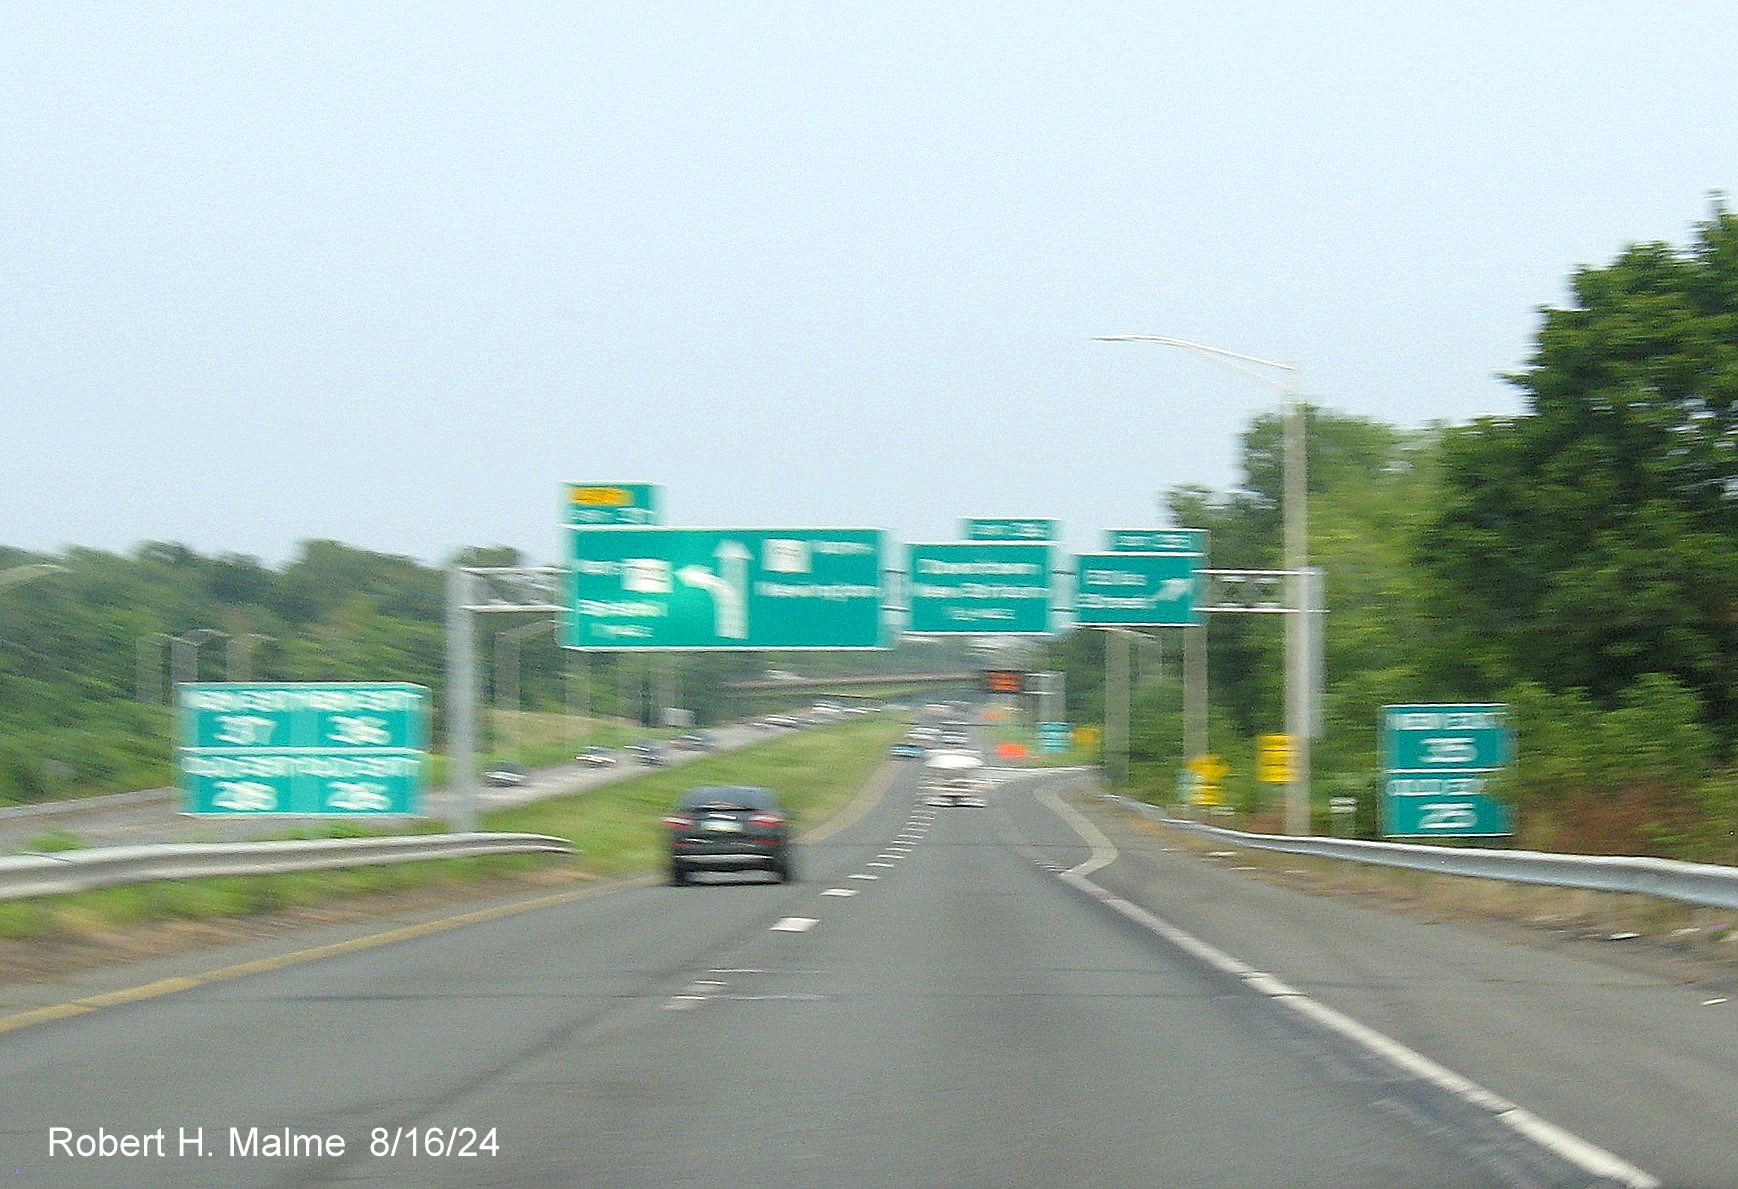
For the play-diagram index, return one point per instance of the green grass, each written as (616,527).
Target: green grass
(616,827)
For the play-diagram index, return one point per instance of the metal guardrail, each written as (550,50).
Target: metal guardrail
(1690,883)
(71,806)
(23,876)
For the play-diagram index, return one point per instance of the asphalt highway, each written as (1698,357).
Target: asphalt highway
(950,996)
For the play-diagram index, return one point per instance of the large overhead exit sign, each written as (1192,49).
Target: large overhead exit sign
(751,588)
(979,588)
(1135,589)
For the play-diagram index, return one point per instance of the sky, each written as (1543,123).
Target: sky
(394,273)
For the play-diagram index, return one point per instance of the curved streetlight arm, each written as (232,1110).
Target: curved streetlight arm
(1230,360)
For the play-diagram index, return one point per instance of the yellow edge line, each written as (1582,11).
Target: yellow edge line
(865,800)
(168,986)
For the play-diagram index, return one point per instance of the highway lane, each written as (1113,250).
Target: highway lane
(961,1018)
(1634,1057)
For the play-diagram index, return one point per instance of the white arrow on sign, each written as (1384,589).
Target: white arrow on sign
(729,593)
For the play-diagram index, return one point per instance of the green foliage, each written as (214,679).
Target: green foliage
(1595,539)
(1639,774)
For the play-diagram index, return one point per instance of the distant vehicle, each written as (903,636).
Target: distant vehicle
(906,749)
(597,757)
(649,752)
(695,741)
(728,828)
(506,776)
(955,778)
(781,720)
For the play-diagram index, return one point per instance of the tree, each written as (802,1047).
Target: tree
(1594,539)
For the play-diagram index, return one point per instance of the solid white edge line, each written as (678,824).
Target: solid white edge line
(1564,1144)
(1103,851)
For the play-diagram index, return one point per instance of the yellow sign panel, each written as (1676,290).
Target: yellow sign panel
(1209,767)
(1087,737)
(1207,794)
(1273,759)
(602,497)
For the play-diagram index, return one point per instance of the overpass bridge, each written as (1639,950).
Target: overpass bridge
(884,683)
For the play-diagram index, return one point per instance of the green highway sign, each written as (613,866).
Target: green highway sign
(1055,738)
(979,588)
(1437,763)
(1026,528)
(1156,540)
(302,748)
(752,588)
(1135,589)
(612,503)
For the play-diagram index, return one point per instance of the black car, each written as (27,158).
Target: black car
(729,828)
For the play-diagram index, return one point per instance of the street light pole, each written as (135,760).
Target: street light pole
(232,671)
(150,665)
(510,639)
(184,654)
(1296,520)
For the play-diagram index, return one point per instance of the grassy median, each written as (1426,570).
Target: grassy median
(615,828)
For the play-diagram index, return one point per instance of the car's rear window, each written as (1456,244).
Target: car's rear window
(729,796)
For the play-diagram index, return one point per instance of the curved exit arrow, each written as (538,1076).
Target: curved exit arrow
(729,593)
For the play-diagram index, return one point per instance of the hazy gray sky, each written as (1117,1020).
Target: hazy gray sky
(394,272)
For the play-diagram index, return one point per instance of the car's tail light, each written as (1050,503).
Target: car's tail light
(766,821)
(677,821)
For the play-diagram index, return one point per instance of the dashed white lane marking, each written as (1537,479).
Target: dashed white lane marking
(795,925)
(840,892)
(860,875)
(879,864)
